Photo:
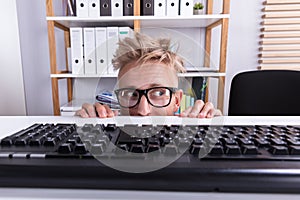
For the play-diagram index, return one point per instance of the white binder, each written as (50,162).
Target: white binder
(89,50)
(76,37)
(101,50)
(82,8)
(125,32)
(186,7)
(94,8)
(116,8)
(112,44)
(160,8)
(172,8)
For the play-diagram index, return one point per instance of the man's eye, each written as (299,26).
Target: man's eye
(131,94)
(158,93)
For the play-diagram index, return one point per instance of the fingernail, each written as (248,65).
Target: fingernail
(102,115)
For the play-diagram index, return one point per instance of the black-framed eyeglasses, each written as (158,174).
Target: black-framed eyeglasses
(156,96)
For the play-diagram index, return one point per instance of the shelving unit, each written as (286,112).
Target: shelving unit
(208,21)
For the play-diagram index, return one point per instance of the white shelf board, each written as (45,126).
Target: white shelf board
(69,75)
(197,21)
(146,21)
(188,74)
(75,105)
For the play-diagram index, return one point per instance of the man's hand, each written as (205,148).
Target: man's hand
(201,110)
(96,110)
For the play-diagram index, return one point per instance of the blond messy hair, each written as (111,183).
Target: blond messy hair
(142,49)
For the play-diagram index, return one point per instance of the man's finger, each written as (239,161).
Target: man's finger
(101,110)
(82,113)
(197,108)
(185,112)
(109,112)
(116,112)
(206,109)
(90,109)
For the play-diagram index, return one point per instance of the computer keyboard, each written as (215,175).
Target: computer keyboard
(153,157)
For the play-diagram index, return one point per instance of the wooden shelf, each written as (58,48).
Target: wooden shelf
(146,21)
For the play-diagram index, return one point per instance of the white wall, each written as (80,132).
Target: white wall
(243,40)
(12,98)
(35,56)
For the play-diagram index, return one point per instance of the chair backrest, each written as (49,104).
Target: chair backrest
(266,92)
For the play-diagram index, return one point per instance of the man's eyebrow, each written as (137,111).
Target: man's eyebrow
(155,85)
(151,85)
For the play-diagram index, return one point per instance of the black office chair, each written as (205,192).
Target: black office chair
(265,93)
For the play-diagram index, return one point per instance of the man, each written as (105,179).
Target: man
(148,82)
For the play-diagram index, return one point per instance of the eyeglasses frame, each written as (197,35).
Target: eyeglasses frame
(145,93)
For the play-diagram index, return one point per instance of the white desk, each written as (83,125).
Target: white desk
(11,124)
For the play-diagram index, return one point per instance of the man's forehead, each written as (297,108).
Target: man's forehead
(148,74)
(137,67)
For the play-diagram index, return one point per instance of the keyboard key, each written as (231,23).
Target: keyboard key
(21,142)
(293,141)
(232,150)
(98,129)
(20,155)
(88,143)
(50,142)
(72,141)
(123,147)
(183,143)
(249,150)
(216,150)
(171,149)
(153,141)
(197,141)
(137,148)
(279,150)
(260,142)
(152,147)
(65,148)
(294,150)
(6,142)
(110,127)
(80,149)
(103,143)
(228,141)
(243,141)
(195,148)
(37,141)
(277,141)
(87,127)
(97,149)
